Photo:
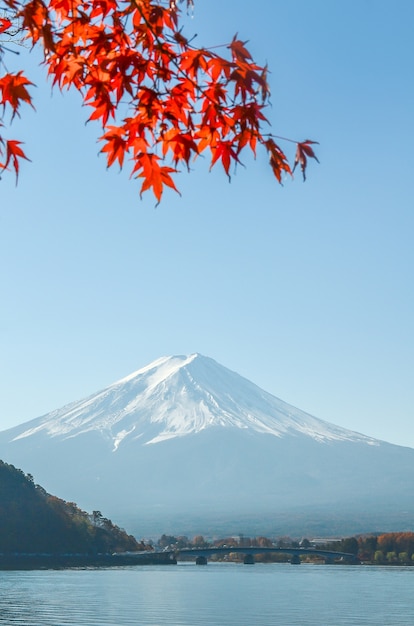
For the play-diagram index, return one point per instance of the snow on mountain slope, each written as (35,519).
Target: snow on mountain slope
(177,396)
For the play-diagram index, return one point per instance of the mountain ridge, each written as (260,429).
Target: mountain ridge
(182,395)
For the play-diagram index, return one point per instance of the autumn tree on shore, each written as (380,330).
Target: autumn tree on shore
(161,101)
(34,521)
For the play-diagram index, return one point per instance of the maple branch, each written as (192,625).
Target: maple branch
(180,100)
(282,138)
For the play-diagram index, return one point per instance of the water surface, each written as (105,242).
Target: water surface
(217,594)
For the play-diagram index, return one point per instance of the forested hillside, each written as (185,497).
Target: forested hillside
(33,521)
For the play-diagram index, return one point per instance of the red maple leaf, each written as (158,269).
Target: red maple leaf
(303,151)
(13,154)
(4,24)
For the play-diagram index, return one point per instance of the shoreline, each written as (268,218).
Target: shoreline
(66,561)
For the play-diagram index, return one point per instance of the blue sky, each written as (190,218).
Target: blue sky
(306,289)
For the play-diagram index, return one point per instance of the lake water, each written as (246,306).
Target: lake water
(222,594)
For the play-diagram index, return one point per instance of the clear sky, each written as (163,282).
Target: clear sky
(305,289)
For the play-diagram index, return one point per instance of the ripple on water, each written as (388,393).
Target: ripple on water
(218,594)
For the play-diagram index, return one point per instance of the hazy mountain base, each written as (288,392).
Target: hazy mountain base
(331,520)
(307,521)
(222,482)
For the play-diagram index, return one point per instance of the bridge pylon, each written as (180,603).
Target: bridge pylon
(201,560)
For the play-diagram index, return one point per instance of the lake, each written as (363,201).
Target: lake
(222,594)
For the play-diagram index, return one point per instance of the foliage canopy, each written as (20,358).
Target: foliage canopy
(161,101)
(33,521)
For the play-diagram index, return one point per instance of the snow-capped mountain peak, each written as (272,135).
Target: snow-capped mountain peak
(178,396)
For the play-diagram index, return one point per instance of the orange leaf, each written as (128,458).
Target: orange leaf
(13,154)
(238,50)
(115,146)
(154,175)
(4,24)
(13,91)
(182,146)
(225,151)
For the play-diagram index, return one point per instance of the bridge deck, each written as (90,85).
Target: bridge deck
(328,554)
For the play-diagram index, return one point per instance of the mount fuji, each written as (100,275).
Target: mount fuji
(186,445)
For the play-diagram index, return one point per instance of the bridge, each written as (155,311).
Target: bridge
(329,556)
